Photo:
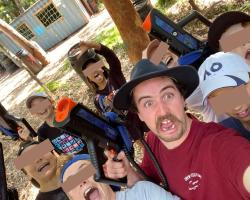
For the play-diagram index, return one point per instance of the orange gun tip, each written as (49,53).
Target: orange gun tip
(64,106)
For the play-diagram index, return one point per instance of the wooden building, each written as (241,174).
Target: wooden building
(48,22)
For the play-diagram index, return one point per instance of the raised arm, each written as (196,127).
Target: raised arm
(111,58)
(109,55)
(121,169)
(231,154)
(246,179)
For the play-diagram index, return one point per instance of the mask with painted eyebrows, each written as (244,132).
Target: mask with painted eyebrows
(87,189)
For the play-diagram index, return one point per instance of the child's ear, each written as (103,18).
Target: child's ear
(29,177)
(55,153)
(101,70)
(52,101)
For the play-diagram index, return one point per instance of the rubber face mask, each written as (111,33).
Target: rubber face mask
(41,107)
(78,183)
(159,52)
(95,72)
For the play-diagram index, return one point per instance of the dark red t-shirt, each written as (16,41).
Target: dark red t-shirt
(208,165)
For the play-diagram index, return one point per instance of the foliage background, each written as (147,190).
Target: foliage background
(10,9)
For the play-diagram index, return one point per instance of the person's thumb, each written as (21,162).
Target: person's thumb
(122,156)
(110,154)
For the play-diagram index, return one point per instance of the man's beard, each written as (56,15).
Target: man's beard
(176,136)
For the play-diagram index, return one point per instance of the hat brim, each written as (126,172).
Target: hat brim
(34,96)
(185,75)
(222,82)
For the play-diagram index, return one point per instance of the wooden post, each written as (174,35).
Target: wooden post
(87,7)
(10,32)
(7,123)
(129,25)
(20,64)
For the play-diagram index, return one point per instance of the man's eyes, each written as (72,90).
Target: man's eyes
(168,96)
(165,98)
(148,104)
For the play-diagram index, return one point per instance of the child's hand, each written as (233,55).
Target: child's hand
(24,134)
(89,45)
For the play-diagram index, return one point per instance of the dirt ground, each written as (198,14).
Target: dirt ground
(16,87)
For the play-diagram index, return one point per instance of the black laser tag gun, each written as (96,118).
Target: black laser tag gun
(23,122)
(5,193)
(99,134)
(181,42)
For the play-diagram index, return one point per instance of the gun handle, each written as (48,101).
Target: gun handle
(99,176)
(31,130)
(194,15)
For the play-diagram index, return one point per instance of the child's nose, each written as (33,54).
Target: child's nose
(83,183)
(237,108)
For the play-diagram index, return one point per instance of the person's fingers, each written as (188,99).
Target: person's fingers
(89,44)
(83,49)
(121,155)
(113,165)
(83,43)
(115,174)
(104,167)
(144,54)
(20,131)
(115,169)
(110,154)
(23,133)
(154,43)
(152,46)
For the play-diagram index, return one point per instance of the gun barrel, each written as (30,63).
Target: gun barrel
(191,17)
(24,122)
(3,182)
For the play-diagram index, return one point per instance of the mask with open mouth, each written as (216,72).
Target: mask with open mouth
(243,114)
(43,166)
(92,193)
(97,76)
(86,188)
(247,55)
(41,109)
(168,60)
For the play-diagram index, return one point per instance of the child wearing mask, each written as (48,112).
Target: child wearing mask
(41,106)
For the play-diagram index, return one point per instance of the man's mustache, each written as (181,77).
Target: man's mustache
(170,117)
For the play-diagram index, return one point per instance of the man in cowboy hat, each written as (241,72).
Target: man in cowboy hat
(200,160)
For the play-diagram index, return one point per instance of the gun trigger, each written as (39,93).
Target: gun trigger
(116,160)
(19,128)
(112,151)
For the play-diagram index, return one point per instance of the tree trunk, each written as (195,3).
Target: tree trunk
(20,64)
(10,32)
(129,25)
(194,6)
